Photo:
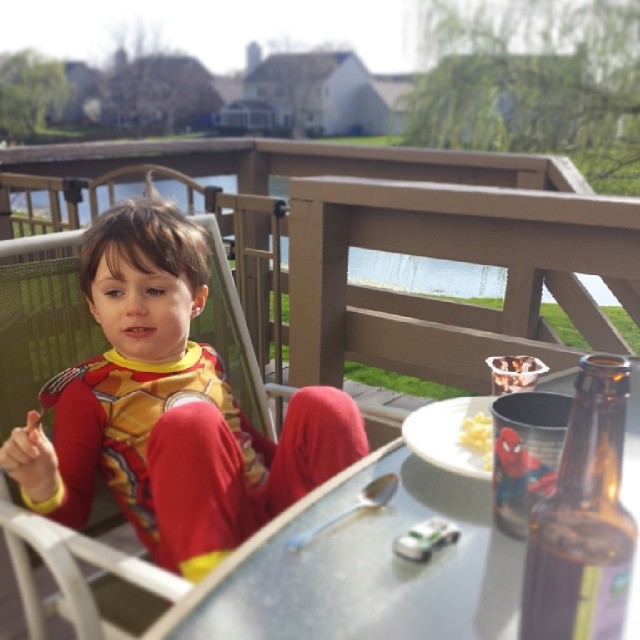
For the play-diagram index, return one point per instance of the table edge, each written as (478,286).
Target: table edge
(176,614)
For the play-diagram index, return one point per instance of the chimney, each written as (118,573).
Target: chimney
(254,57)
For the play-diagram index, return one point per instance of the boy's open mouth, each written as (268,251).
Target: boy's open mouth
(139,330)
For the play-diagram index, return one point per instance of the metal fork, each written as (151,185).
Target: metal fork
(53,388)
(49,394)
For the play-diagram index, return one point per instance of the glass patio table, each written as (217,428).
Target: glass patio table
(348,583)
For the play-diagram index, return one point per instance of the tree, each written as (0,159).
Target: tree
(31,86)
(531,76)
(155,90)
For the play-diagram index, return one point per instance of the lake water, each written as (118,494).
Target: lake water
(444,277)
(395,271)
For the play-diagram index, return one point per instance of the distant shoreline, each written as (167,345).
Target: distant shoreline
(390,287)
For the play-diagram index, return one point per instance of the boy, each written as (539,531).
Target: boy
(156,415)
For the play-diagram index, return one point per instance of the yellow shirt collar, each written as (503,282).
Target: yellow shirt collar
(191,356)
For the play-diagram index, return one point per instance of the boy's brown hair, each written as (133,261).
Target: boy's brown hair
(146,230)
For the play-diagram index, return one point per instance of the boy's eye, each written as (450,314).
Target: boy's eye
(113,293)
(155,291)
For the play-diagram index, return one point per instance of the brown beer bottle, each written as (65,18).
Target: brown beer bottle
(581,539)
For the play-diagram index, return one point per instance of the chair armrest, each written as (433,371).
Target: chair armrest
(274,390)
(36,531)
(394,415)
(129,568)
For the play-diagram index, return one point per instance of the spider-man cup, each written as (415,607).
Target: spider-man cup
(528,433)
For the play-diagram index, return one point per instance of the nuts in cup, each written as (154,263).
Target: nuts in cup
(510,374)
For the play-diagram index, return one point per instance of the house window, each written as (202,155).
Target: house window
(260,119)
(262,92)
(234,119)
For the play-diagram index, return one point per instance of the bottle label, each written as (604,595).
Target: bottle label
(602,601)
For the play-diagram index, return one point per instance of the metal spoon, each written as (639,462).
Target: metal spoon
(376,494)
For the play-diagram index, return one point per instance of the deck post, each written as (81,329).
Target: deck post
(318,257)
(521,308)
(6,232)
(253,177)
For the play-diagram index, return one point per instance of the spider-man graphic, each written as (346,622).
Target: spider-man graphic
(519,471)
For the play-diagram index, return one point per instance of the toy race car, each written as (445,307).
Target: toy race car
(423,538)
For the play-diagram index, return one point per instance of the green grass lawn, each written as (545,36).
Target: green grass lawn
(371,141)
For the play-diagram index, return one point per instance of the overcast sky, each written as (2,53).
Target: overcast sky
(381,32)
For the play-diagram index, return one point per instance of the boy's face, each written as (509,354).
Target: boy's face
(145,316)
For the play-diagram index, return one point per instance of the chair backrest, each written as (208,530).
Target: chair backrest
(45,326)
(239,217)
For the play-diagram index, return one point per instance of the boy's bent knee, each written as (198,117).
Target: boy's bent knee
(317,397)
(324,407)
(193,422)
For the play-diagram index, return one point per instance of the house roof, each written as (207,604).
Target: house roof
(391,91)
(229,88)
(311,66)
(395,77)
(172,64)
(71,65)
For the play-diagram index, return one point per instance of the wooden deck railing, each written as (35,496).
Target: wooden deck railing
(534,215)
(540,237)
(253,160)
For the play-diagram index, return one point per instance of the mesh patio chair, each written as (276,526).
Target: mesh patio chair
(45,326)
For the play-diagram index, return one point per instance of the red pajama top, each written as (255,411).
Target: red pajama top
(104,417)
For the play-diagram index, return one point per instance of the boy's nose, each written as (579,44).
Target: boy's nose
(136,306)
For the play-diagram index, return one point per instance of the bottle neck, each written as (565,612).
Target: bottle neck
(591,463)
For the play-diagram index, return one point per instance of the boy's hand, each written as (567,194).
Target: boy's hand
(29,458)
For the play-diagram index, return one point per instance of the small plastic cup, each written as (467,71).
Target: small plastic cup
(528,434)
(510,374)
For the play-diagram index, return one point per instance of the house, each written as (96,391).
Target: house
(382,104)
(311,93)
(86,89)
(229,88)
(233,118)
(320,93)
(247,116)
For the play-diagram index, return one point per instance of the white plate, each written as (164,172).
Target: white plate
(432,433)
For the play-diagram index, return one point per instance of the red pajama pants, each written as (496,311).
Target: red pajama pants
(196,470)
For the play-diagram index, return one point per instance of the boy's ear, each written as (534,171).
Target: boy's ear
(199,300)
(93,310)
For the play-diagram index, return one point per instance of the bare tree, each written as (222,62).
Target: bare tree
(154,89)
